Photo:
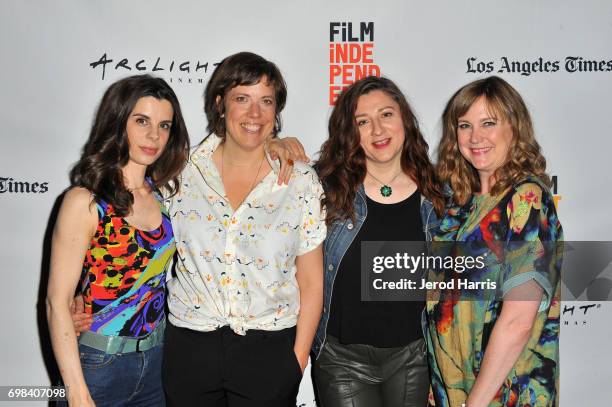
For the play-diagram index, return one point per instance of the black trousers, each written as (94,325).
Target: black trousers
(367,376)
(223,369)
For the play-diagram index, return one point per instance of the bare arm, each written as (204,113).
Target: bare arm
(310,280)
(75,226)
(508,339)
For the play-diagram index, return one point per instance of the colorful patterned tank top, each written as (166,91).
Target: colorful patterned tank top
(124,274)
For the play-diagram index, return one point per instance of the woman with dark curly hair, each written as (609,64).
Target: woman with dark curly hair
(113,235)
(379,185)
(496,350)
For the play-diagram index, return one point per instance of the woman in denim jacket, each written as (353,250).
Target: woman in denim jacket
(379,185)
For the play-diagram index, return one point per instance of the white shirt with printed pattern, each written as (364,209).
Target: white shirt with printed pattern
(238,268)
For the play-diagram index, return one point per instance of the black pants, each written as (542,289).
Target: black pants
(366,376)
(223,369)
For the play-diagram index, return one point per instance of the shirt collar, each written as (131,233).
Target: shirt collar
(201,158)
(202,154)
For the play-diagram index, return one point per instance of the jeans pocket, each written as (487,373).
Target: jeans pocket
(93,358)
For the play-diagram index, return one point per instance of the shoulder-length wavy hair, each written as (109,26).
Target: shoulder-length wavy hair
(342,162)
(106,151)
(524,157)
(243,68)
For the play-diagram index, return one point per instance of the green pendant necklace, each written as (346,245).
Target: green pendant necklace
(386,189)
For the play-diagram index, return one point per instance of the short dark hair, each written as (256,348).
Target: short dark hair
(106,151)
(243,68)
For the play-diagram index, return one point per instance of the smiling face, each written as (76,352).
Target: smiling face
(484,140)
(381,129)
(148,129)
(250,112)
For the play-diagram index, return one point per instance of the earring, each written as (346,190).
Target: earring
(222,115)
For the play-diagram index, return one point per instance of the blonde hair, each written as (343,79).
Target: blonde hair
(524,157)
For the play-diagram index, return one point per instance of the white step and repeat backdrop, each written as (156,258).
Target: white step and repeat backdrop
(58,57)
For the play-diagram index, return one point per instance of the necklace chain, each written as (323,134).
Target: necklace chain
(252,183)
(386,189)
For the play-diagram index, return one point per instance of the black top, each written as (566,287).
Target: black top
(383,324)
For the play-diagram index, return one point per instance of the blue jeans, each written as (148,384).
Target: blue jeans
(124,379)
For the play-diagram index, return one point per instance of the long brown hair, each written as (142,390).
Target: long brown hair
(524,156)
(106,151)
(342,162)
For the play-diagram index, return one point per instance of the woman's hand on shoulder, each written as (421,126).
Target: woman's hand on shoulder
(287,150)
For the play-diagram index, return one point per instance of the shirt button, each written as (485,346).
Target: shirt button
(330,267)
(349,226)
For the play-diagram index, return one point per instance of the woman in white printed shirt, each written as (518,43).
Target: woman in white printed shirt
(246,295)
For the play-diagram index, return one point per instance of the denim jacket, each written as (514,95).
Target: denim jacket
(340,235)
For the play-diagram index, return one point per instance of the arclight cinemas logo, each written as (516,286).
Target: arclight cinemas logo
(9,185)
(174,70)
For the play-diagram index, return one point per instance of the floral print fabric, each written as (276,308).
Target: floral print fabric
(521,230)
(238,268)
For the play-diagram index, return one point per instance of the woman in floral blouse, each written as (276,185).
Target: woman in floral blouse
(499,350)
(247,292)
